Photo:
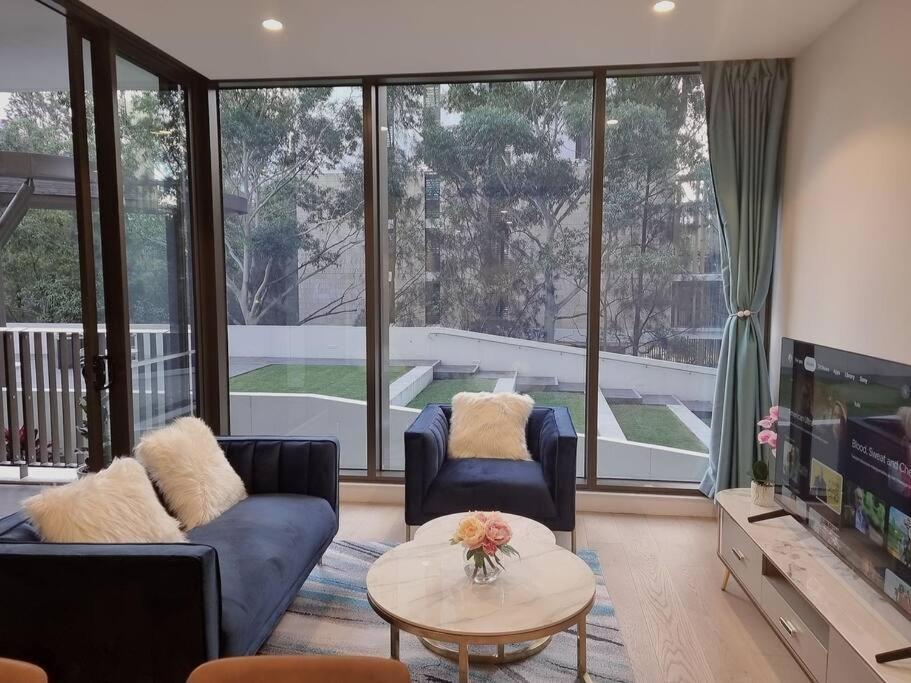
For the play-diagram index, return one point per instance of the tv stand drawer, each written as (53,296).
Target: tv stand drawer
(797,624)
(742,555)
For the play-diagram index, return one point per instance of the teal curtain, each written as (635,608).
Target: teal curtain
(745,105)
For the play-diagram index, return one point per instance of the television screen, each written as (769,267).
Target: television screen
(843,462)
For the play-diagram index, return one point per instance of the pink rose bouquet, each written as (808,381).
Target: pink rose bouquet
(484,535)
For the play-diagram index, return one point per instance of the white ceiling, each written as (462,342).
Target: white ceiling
(33,52)
(32,47)
(223,39)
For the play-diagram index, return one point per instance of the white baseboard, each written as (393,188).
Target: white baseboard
(644,504)
(586,501)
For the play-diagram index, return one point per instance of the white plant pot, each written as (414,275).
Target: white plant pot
(763,495)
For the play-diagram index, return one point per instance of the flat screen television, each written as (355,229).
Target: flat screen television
(843,462)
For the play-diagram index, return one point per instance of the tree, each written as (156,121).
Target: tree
(655,160)
(39,264)
(280,149)
(153,154)
(510,200)
(406,242)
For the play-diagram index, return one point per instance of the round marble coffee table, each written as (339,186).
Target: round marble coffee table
(523,529)
(420,587)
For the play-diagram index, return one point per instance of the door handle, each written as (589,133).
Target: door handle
(100,368)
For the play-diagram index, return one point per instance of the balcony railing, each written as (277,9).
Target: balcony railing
(42,390)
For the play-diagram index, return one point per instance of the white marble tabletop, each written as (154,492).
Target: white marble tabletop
(523,529)
(424,583)
(867,620)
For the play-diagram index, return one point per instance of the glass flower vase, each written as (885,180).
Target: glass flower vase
(482,573)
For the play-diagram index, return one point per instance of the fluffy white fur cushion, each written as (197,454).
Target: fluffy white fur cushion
(117,505)
(191,471)
(487,425)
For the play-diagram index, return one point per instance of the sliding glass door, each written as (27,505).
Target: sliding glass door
(53,403)
(152,124)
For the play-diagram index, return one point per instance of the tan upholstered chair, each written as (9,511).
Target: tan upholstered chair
(13,671)
(291,669)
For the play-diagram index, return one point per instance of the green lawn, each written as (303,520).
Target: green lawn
(573,400)
(442,390)
(343,381)
(656,425)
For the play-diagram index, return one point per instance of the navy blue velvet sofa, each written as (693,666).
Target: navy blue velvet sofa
(543,489)
(117,613)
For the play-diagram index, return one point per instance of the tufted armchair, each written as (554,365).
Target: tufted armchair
(543,489)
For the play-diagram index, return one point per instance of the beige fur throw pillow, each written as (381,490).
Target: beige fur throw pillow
(486,425)
(191,471)
(116,505)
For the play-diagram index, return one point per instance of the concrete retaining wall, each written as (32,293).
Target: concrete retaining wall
(406,388)
(491,352)
(346,419)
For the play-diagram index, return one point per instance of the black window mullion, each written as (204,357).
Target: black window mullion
(593,333)
(113,242)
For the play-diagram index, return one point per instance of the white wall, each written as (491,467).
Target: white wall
(843,276)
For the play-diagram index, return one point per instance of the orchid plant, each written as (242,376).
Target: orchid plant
(768,436)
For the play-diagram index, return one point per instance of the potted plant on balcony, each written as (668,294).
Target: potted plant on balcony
(762,488)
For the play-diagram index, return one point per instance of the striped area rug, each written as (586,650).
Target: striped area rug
(331,615)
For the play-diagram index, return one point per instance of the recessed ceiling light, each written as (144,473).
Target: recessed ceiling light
(664,6)
(273,25)
(612,122)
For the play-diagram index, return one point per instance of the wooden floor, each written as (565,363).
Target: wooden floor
(664,578)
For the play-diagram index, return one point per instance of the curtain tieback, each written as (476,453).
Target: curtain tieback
(745,313)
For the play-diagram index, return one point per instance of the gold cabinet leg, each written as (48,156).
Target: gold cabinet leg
(393,641)
(724,581)
(501,652)
(573,540)
(407,532)
(463,662)
(581,655)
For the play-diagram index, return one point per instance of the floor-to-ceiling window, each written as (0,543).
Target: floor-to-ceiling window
(292,169)
(487,190)
(483,241)
(660,302)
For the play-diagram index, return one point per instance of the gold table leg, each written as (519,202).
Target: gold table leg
(724,581)
(393,641)
(581,654)
(463,662)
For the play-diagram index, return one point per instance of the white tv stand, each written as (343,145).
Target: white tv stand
(832,621)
